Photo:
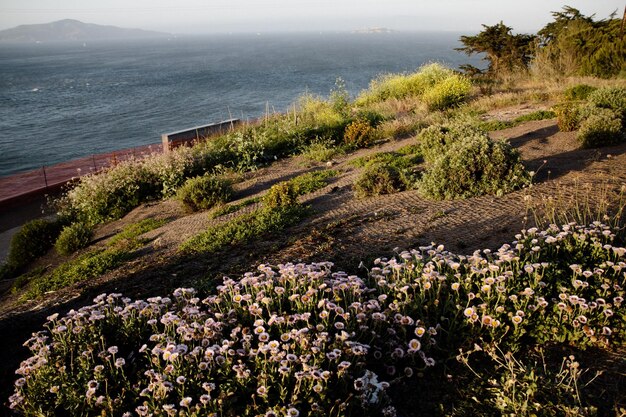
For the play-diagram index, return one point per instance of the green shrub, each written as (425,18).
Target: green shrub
(413,150)
(202,193)
(613,98)
(280,209)
(435,139)
(372,117)
(602,127)
(72,238)
(472,166)
(578,92)
(33,240)
(378,179)
(248,147)
(280,195)
(359,134)
(567,116)
(111,194)
(121,248)
(450,92)
(318,112)
(492,125)
(340,97)
(400,86)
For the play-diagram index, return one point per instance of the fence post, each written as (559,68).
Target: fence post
(45,178)
(93,158)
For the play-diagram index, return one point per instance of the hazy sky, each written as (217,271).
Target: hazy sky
(196,16)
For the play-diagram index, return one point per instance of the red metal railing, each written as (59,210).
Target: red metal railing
(25,186)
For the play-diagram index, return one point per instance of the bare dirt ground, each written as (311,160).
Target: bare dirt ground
(342,228)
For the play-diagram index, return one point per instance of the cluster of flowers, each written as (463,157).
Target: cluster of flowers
(285,341)
(303,340)
(562,284)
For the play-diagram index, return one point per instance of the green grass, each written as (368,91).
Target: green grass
(379,157)
(87,266)
(413,149)
(244,229)
(231,208)
(302,184)
(263,221)
(312,181)
(402,159)
(322,151)
(132,231)
(120,248)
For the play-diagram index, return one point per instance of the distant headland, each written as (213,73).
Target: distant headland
(72,30)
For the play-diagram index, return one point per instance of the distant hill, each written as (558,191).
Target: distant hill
(72,30)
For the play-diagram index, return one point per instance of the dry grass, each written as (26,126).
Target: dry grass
(582,203)
(524,89)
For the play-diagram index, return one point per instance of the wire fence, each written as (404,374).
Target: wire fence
(49,179)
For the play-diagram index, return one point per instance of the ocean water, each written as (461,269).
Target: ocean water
(61,101)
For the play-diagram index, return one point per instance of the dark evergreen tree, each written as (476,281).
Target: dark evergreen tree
(506,52)
(575,44)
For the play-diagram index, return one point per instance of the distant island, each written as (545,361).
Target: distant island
(374,30)
(72,30)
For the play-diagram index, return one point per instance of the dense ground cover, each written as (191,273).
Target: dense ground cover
(305,340)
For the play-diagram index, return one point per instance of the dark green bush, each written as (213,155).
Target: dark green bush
(377,179)
(372,117)
(33,240)
(472,166)
(578,92)
(602,127)
(202,193)
(72,238)
(433,141)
